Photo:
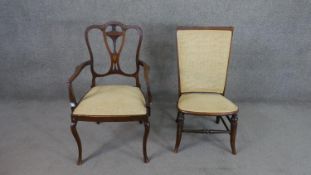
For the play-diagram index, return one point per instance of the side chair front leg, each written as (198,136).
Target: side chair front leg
(180,125)
(234,123)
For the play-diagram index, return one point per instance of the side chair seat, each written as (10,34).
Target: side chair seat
(206,103)
(112,100)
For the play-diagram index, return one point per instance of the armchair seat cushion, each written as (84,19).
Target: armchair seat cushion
(112,100)
(206,104)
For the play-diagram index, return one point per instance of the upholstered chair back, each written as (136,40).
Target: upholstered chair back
(203,56)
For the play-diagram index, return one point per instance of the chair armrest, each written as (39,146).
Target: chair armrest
(146,77)
(79,68)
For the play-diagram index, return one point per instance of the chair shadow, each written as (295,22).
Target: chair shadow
(113,144)
(163,125)
(212,139)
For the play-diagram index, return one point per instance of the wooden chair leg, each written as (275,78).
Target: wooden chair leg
(147,127)
(217,119)
(234,123)
(180,125)
(77,138)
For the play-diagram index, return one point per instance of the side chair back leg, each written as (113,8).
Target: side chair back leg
(77,138)
(218,119)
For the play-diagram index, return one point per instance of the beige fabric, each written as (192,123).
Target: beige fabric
(206,103)
(203,59)
(112,100)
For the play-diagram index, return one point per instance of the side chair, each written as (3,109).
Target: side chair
(203,58)
(111,103)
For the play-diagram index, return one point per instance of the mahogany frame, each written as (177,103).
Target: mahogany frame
(114,69)
(233,120)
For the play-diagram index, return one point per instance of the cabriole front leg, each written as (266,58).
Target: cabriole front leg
(234,124)
(147,127)
(77,138)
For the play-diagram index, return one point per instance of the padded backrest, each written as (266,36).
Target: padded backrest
(203,56)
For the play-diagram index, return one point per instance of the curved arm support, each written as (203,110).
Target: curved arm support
(146,77)
(72,98)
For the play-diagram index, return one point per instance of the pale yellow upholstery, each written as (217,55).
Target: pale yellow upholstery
(203,59)
(210,103)
(112,100)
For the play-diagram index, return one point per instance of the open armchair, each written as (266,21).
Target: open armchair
(111,103)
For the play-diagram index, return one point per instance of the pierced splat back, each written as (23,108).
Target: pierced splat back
(115,31)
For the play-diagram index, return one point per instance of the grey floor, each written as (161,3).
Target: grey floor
(273,138)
